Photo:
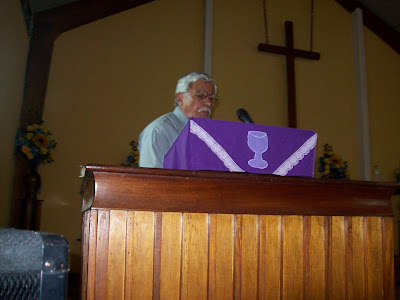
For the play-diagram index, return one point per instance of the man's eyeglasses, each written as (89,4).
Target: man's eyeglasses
(202,94)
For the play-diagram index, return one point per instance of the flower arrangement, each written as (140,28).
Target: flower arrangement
(331,165)
(133,158)
(35,144)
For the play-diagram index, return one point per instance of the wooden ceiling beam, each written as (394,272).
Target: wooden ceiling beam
(48,25)
(374,23)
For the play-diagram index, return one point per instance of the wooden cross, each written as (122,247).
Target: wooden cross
(290,53)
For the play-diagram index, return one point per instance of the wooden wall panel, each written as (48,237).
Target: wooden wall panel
(140,255)
(358,284)
(338,258)
(90,229)
(288,238)
(388,258)
(195,256)
(116,255)
(270,257)
(248,261)
(171,250)
(374,258)
(220,280)
(224,256)
(293,256)
(100,283)
(317,258)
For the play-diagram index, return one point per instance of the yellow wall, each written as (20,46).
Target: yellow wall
(13,51)
(110,78)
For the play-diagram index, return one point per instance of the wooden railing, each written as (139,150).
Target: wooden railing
(167,234)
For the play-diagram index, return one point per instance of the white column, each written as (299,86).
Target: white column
(208,33)
(361,95)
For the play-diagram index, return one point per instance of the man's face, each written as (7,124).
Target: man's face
(191,104)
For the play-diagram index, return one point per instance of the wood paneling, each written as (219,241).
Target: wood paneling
(316,288)
(194,281)
(116,255)
(101,263)
(140,256)
(220,256)
(247,262)
(270,268)
(156,254)
(293,258)
(171,251)
(358,285)
(337,267)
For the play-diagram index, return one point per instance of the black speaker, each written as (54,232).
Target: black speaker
(33,265)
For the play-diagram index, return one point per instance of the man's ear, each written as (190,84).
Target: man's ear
(179,98)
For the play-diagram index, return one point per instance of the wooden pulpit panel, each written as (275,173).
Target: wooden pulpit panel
(317,258)
(270,253)
(117,237)
(293,258)
(221,257)
(131,251)
(140,250)
(218,256)
(194,257)
(358,265)
(246,258)
(171,255)
(101,255)
(337,258)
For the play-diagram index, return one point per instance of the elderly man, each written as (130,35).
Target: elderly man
(195,96)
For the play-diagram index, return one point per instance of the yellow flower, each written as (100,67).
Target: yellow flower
(42,128)
(327,167)
(51,153)
(327,160)
(29,135)
(25,149)
(35,126)
(41,140)
(30,128)
(326,172)
(43,151)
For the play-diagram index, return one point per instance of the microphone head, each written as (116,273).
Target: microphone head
(241,112)
(244,116)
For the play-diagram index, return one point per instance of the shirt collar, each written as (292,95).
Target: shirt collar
(180,115)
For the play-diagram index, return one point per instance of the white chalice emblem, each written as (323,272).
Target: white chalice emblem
(258,142)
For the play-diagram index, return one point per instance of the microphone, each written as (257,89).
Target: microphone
(244,116)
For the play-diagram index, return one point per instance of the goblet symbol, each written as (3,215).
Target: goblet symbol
(258,142)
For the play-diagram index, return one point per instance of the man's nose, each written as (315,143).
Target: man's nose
(207,101)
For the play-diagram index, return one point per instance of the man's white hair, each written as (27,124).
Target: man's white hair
(185,83)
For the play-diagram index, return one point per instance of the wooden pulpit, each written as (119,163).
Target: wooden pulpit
(169,234)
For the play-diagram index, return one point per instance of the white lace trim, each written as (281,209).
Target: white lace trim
(294,159)
(214,146)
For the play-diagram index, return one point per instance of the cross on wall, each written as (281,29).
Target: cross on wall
(291,53)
